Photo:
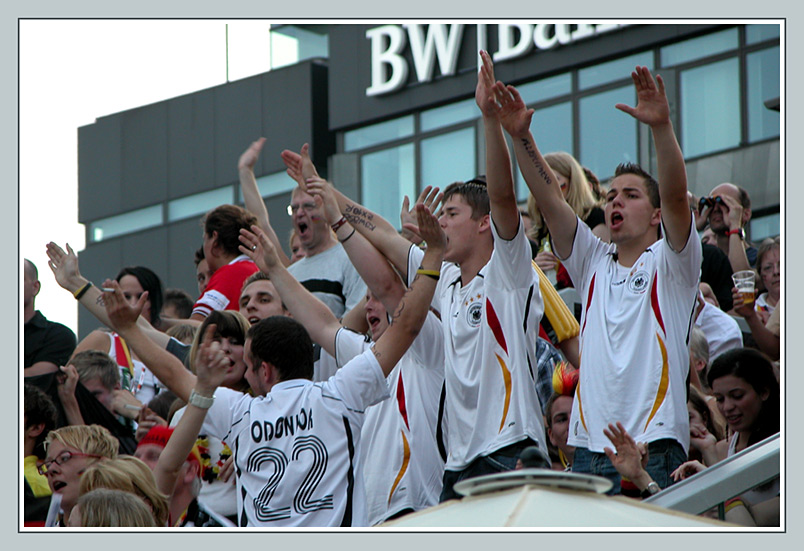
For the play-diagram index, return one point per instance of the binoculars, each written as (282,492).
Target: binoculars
(710,202)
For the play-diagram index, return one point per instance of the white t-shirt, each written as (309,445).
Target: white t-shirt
(296,450)
(490,329)
(721,330)
(402,466)
(331,277)
(635,329)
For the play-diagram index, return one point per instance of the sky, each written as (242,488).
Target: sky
(75,71)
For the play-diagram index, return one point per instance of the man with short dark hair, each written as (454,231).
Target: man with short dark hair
(178,304)
(638,292)
(47,344)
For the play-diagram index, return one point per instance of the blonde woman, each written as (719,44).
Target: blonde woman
(578,194)
(114,508)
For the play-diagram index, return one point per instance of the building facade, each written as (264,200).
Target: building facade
(389,109)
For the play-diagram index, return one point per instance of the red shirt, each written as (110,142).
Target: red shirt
(223,289)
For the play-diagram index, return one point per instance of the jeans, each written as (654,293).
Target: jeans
(499,461)
(664,456)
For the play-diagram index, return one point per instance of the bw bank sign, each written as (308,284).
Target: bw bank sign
(429,44)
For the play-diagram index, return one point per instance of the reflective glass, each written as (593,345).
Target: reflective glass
(272,184)
(128,222)
(198,203)
(698,48)
(546,88)
(613,70)
(763,84)
(448,158)
(760,33)
(449,114)
(386,177)
(552,129)
(378,133)
(710,108)
(766,226)
(608,136)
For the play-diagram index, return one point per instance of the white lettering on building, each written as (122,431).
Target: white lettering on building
(442,43)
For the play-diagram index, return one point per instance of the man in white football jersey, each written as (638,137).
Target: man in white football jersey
(638,292)
(296,444)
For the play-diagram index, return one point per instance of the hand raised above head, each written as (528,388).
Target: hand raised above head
(429,228)
(307,166)
(484,92)
(322,190)
(211,363)
(121,314)
(256,245)
(514,115)
(63,265)
(251,155)
(652,107)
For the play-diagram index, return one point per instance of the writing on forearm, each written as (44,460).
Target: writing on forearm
(355,215)
(531,152)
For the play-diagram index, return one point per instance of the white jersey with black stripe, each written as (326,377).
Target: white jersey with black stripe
(297,450)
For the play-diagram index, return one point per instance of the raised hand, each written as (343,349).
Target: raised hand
(121,314)
(211,363)
(429,229)
(64,266)
(484,92)
(514,116)
(652,107)
(431,198)
(308,168)
(257,246)
(67,380)
(251,155)
(299,166)
(321,190)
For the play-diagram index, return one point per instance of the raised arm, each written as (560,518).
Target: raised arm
(65,269)
(499,181)
(558,215)
(372,226)
(211,365)
(123,318)
(251,195)
(412,310)
(653,109)
(305,307)
(370,264)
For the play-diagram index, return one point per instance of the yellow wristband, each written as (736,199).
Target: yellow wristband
(435,274)
(80,292)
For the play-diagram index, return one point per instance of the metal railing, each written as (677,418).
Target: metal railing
(751,467)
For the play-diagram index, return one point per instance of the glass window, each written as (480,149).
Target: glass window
(613,70)
(710,108)
(552,129)
(449,114)
(448,158)
(763,84)
(198,203)
(547,88)
(378,133)
(608,136)
(760,33)
(271,184)
(766,226)
(125,223)
(698,48)
(386,177)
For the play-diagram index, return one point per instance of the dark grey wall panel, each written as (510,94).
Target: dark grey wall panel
(144,160)
(99,169)
(183,239)
(191,144)
(237,115)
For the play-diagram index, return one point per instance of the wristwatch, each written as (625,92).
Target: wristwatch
(203,402)
(739,231)
(652,489)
